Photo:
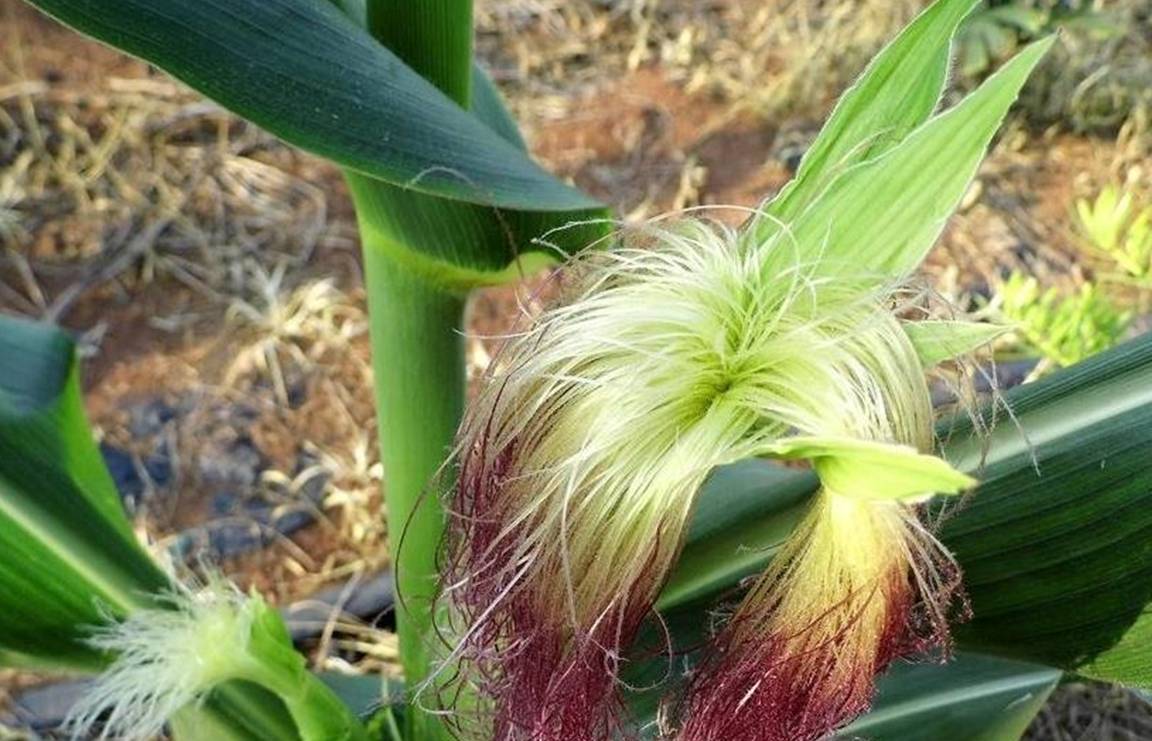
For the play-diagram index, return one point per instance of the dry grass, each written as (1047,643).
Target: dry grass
(355,489)
(786,58)
(136,182)
(1082,711)
(300,326)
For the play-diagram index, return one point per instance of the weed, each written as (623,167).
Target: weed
(1063,329)
(1097,77)
(1117,227)
(995,30)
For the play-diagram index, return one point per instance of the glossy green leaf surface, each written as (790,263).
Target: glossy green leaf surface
(971,698)
(460,245)
(1057,543)
(68,552)
(310,74)
(1054,544)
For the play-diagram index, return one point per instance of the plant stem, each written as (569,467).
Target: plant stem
(418,359)
(417,349)
(418,364)
(318,713)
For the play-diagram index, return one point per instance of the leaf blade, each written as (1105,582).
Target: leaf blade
(973,697)
(897,92)
(309,74)
(882,216)
(69,553)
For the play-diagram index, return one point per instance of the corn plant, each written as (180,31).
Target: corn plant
(612,551)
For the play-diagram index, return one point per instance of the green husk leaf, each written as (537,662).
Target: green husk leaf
(896,93)
(884,215)
(937,341)
(870,470)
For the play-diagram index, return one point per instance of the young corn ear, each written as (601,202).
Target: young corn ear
(861,582)
(170,657)
(167,659)
(581,458)
(580,461)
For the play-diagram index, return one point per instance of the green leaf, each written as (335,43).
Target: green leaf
(488,106)
(462,245)
(308,73)
(459,245)
(973,697)
(937,341)
(872,470)
(1054,543)
(69,555)
(896,93)
(433,38)
(885,214)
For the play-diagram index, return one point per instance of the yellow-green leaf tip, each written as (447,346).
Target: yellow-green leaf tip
(873,470)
